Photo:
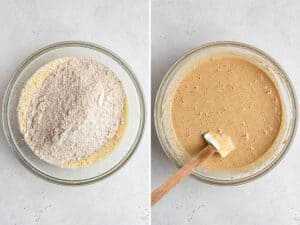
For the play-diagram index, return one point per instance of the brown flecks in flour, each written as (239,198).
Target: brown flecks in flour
(76,111)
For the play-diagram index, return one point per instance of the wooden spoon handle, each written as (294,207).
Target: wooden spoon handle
(186,170)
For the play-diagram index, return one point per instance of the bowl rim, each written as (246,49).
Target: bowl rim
(46,49)
(275,161)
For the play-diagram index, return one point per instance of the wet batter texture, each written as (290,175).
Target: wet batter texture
(229,95)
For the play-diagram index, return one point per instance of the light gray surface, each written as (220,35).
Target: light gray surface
(121,26)
(273,26)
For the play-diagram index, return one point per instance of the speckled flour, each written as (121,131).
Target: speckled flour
(77,110)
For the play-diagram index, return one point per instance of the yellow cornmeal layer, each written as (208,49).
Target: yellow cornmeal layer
(34,84)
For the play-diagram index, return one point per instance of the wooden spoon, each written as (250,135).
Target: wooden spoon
(218,142)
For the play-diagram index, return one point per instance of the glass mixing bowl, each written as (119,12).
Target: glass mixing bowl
(97,170)
(163,120)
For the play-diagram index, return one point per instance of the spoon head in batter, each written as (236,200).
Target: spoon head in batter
(220,141)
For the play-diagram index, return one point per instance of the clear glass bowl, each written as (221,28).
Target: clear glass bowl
(163,121)
(95,171)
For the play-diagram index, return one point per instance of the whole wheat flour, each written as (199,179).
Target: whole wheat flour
(77,110)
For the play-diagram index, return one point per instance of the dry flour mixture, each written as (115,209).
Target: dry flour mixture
(77,109)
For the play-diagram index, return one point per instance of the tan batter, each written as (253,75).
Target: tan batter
(35,83)
(235,96)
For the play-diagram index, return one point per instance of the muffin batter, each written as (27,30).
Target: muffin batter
(229,95)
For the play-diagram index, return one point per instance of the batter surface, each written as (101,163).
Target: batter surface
(228,95)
